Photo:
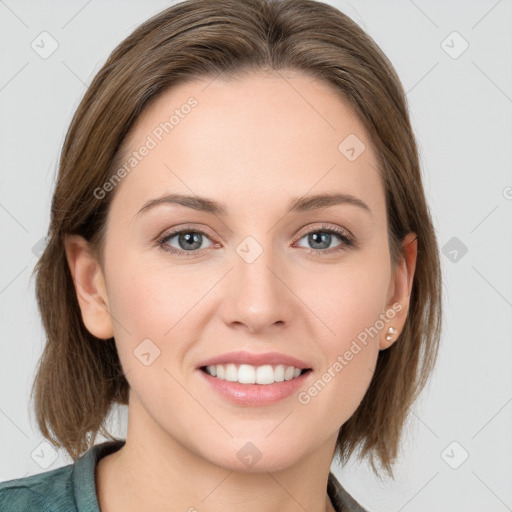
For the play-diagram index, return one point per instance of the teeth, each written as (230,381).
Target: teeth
(248,374)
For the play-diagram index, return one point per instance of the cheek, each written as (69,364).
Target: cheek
(350,355)
(159,302)
(351,308)
(150,299)
(347,298)
(152,329)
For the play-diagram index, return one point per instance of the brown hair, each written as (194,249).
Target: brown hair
(80,377)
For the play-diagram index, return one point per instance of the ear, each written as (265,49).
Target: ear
(89,286)
(400,291)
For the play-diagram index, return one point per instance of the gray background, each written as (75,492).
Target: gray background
(461,111)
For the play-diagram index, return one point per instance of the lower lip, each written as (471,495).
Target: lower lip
(255,394)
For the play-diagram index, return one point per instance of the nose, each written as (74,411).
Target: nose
(258,297)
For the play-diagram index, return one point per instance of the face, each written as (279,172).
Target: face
(184,284)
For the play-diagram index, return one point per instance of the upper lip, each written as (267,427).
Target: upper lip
(242,357)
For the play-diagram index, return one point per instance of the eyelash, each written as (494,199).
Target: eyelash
(346,241)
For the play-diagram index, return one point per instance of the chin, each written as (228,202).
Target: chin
(257,455)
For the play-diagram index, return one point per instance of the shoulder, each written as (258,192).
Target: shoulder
(341,500)
(50,491)
(68,488)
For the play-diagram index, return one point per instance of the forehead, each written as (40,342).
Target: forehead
(263,136)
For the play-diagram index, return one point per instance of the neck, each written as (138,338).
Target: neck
(152,471)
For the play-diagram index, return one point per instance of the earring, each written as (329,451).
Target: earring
(391,331)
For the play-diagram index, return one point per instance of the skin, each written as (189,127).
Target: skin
(253,144)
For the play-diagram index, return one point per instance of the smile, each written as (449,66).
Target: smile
(249,374)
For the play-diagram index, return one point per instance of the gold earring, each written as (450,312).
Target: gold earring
(391,331)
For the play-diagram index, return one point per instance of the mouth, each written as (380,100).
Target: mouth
(263,375)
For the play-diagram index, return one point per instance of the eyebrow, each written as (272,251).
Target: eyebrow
(297,205)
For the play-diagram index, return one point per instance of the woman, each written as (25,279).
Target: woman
(240,250)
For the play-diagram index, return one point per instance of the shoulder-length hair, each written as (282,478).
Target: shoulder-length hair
(79,377)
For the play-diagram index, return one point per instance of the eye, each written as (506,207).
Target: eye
(183,241)
(321,239)
(189,242)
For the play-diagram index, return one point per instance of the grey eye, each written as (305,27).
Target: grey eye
(321,239)
(187,240)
